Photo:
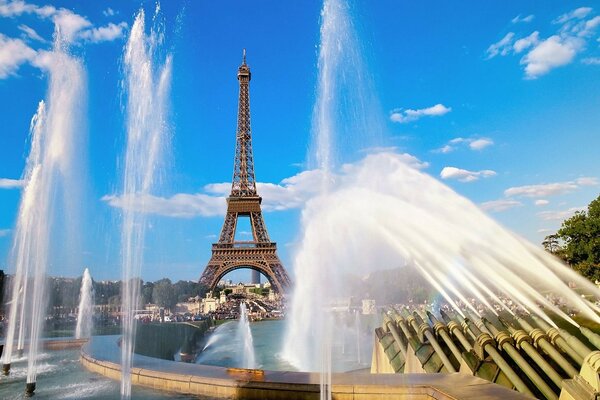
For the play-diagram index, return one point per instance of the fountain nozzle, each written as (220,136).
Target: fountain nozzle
(6,369)
(445,316)
(29,389)
(432,317)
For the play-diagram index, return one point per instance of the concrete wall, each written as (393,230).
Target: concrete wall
(164,340)
(217,382)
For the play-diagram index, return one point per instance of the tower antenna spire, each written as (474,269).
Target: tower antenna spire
(244,57)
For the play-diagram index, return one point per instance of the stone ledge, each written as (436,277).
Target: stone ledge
(218,382)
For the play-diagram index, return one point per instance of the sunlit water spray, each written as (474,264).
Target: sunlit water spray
(395,215)
(344,106)
(147,78)
(245,337)
(85,312)
(49,199)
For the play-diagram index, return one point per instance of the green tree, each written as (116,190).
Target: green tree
(580,238)
(164,294)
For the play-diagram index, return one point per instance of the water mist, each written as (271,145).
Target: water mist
(147,77)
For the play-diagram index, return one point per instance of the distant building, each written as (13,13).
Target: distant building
(209,304)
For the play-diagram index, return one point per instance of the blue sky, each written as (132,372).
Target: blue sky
(500,99)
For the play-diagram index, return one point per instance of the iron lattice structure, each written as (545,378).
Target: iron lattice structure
(259,254)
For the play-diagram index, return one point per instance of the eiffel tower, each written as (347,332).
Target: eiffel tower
(259,254)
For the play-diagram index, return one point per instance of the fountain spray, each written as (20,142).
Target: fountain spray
(86,307)
(51,190)
(147,78)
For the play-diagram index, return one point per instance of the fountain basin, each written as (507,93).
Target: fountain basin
(101,355)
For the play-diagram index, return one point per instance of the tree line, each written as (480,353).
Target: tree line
(64,292)
(577,242)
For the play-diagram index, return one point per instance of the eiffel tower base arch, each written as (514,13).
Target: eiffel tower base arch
(263,260)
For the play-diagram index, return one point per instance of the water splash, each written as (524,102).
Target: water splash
(85,312)
(396,215)
(50,196)
(245,337)
(147,78)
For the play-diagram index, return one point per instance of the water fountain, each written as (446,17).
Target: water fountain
(147,77)
(245,337)
(393,216)
(86,307)
(50,195)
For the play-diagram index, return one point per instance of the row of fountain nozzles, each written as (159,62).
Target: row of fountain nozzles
(479,336)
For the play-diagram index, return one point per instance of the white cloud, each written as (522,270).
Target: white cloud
(541,202)
(519,18)
(557,50)
(578,13)
(408,115)
(526,42)
(480,144)
(500,205)
(559,215)
(550,189)
(464,175)
(591,61)
(553,52)
(13,53)
(4,232)
(544,230)
(16,8)
(586,181)
(473,144)
(105,33)
(501,47)
(292,192)
(445,149)
(30,33)
(109,12)
(71,25)
(11,183)
(181,205)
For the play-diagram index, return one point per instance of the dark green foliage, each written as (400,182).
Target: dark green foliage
(163,293)
(578,241)
(107,290)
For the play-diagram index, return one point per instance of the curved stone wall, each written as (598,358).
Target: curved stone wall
(218,382)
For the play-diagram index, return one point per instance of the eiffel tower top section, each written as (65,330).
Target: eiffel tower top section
(244,184)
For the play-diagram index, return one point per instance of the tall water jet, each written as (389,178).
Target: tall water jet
(245,337)
(345,102)
(85,313)
(358,332)
(147,77)
(50,195)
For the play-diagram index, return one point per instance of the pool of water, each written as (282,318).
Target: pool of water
(61,376)
(223,347)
